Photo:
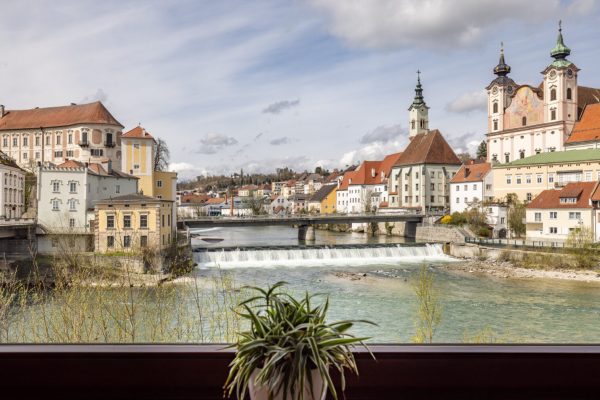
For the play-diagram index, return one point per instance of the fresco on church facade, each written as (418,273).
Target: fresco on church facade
(527,104)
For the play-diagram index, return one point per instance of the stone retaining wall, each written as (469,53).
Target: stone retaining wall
(439,233)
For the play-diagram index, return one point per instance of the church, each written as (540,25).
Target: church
(525,120)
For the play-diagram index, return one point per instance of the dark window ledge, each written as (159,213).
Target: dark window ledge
(400,372)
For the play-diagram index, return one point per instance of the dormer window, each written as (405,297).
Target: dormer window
(568,200)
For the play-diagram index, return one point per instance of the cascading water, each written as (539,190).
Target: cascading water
(390,255)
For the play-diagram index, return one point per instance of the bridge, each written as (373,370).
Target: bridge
(305,223)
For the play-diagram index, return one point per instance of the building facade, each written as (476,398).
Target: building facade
(12,195)
(525,120)
(471,187)
(133,222)
(68,192)
(84,132)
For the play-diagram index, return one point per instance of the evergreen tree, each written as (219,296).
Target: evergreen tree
(482,150)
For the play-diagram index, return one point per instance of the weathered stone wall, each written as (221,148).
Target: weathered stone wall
(439,233)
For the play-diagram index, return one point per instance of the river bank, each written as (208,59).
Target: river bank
(511,270)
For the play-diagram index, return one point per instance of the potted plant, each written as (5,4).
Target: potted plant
(289,349)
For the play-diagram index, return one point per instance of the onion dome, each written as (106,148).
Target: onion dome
(560,51)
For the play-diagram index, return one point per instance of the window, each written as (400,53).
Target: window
(416,175)
(466,200)
(518,179)
(127,221)
(553,214)
(110,221)
(110,241)
(72,223)
(58,154)
(569,94)
(15,142)
(552,114)
(466,187)
(528,196)
(495,124)
(97,152)
(552,94)
(37,140)
(55,187)
(433,199)
(574,215)
(69,153)
(416,199)
(488,187)
(538,217)
(495,107)
(506,157)
(553,229)
(162,221)
(118,189)
(524,121)
(136,145)
(568,200)
(37,155)
(509,179)
(25,156)
(588,176)
(73,187)
(527,178)
(55,205)
(48,140)
(458,200)
(538,178)
(159,184)
(143,241)
(70,138)
(72,205)
(137,166)
(5,142)
(143,221)
(58,139)
(25,141)
(416,186)
(84,138)
(550,178)
(458,188)
(126,241)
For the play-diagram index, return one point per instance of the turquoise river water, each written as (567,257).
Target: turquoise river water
(521,310)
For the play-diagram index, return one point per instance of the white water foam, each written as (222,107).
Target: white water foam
(322,257)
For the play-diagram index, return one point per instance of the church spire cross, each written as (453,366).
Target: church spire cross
(419,100)
(502,69)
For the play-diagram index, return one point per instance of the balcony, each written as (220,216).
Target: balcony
(400,372)
(109,143)
(84,143)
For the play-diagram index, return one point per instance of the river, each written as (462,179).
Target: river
(514,310)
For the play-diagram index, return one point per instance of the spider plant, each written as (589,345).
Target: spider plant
(287,339)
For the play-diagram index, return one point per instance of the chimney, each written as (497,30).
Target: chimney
(1,110)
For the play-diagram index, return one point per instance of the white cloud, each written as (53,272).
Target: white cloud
(214,142)
(388,24)
(280,106)
(186,171)
(383,134)
(371,152)
(468,102)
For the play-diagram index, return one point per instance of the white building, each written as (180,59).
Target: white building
(12,195)
(471,186)
(525,120)
(84,132)
(67,194)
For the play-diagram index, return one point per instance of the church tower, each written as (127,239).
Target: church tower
(499,92)
(418,112)
(560,86)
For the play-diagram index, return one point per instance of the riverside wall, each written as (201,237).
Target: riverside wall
(439,233)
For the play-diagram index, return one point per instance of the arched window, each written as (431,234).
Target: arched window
(412,124)
(569,94)
(522,154)
(524,121)
(552,94)
(552,114)
(495,107)
(422,123)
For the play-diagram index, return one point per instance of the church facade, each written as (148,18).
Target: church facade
(525,120)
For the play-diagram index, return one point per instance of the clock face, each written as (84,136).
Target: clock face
(553,74)
(509,89)
(495,90)
(570,73)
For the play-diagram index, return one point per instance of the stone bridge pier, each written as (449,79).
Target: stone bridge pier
(306,233)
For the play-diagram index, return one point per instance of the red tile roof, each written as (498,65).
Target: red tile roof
(549,199)
(52,117)
(428,148)
(215,200)
(388,162)
(588,127)
(472,173)
(138,132)
(194,198)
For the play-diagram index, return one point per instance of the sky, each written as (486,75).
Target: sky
(265,84)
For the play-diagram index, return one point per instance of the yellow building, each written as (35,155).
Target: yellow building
(133,222)
(527,177)
(139,151)
(324,200)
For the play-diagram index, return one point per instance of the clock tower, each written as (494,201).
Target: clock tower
(418,112)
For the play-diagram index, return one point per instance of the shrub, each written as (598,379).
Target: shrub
(446,219)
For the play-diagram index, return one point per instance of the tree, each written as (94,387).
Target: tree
(516,214)
(482,150)
(429,312)
(464,157)
(581,245)
(161,156)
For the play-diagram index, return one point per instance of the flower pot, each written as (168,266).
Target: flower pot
(261,393)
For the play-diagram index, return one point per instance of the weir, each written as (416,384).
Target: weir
(321,256)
